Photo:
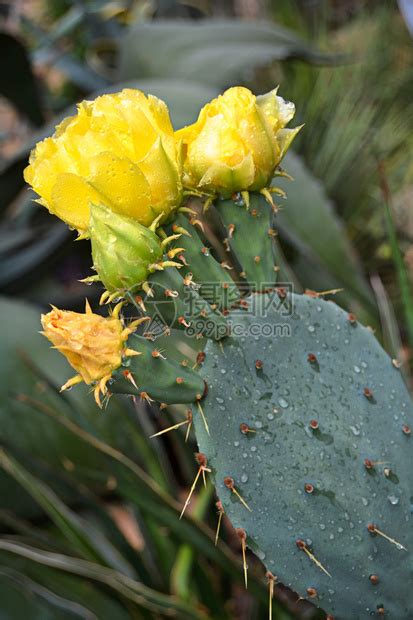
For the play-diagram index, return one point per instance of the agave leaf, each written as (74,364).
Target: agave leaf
(221,51)
(308,221)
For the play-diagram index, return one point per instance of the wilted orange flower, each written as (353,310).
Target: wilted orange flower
(93,345)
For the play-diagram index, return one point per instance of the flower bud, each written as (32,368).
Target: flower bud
(118,150)
(92,344)
(237,142)
(122,249)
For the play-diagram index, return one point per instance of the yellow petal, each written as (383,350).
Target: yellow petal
(229,179)
(70,200)
(123,187)
(163,177)
(284,139)
(278,111)
(46,161)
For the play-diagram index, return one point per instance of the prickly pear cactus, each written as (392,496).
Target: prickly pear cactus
(301,418)
(310,418)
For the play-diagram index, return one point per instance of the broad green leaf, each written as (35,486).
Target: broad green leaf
(218,52)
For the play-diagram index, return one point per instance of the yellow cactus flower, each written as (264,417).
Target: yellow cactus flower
(118,150)
(237,142)
(92,344)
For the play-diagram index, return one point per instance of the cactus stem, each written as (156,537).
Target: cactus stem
(202,461)
(221,511)
(271,583)
(229,483)
(170,428)
(242,535)
(201,411)
(303,547)
(373,529)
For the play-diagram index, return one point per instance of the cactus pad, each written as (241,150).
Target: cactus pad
(328,469)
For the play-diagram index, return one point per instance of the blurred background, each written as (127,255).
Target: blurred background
(89,522)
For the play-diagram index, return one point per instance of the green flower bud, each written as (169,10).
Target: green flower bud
(124,252)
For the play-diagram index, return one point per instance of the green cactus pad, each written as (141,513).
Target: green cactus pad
(164,380)
(217,286)
(251,237)
(175,305)
(324,485)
